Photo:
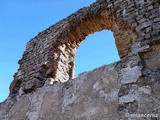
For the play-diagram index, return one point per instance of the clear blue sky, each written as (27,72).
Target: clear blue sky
(20,20)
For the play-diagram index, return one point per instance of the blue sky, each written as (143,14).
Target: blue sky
(21,20)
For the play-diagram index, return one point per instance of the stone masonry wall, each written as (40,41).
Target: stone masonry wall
(49,58)
(51,53)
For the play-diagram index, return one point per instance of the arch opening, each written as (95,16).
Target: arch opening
(96,50)
(73,35)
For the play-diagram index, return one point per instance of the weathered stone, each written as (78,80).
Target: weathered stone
(76,99)
(43,87)
(124,90)
(130,75)
(143,25)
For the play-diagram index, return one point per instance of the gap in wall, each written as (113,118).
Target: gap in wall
(96,50)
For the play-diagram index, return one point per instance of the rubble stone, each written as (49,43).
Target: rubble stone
(43,87)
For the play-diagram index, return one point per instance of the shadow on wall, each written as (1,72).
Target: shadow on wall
(98,49)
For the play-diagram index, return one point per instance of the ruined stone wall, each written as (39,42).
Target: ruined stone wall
(51,53)
(111,92)
(49,57)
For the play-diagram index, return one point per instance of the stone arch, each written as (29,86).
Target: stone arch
(72,36)
(135,24)
(50,55)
